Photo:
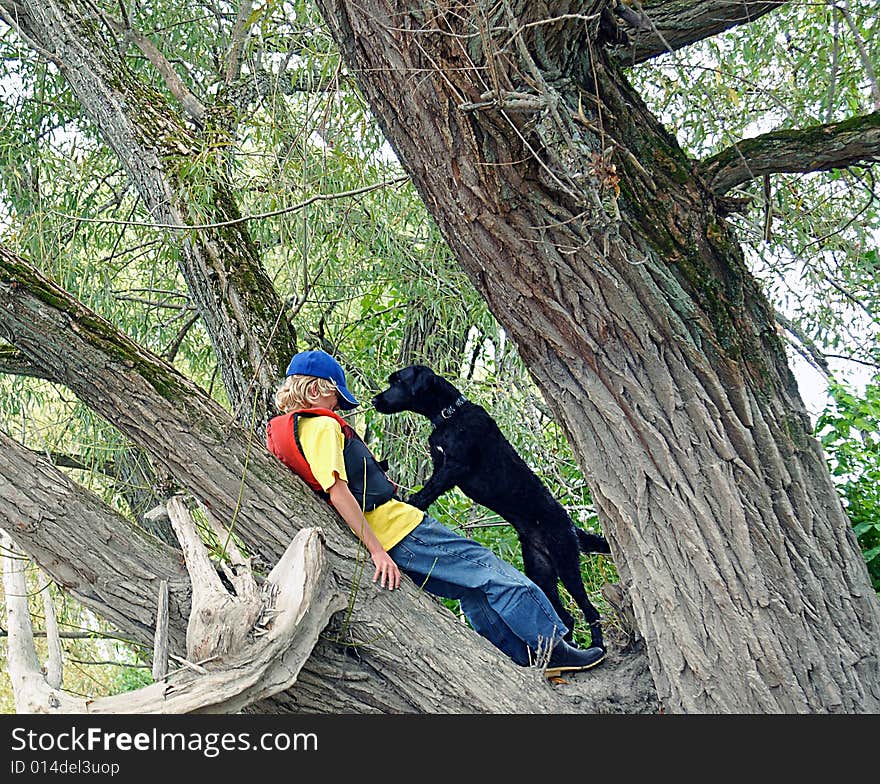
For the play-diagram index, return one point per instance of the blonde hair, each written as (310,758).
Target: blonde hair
(301,392)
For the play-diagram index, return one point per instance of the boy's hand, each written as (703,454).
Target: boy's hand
(386,572)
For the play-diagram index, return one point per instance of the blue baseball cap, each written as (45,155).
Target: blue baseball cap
(320,364)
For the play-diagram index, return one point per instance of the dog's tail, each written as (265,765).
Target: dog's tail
(592,543)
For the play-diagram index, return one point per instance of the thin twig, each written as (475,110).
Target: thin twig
(235,221)
(863,53)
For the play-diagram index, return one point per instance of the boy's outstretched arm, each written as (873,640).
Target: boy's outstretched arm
(350,510)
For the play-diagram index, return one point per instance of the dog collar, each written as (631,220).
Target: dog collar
(447,412)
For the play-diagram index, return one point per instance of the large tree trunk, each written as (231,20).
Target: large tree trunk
(392,652)
(635,312)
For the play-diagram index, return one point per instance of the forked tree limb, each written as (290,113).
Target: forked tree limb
(218,621)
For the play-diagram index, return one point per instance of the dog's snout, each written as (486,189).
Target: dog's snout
(380,403)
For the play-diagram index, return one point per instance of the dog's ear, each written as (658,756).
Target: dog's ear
(422,380)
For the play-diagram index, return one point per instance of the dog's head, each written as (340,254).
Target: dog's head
(414,388)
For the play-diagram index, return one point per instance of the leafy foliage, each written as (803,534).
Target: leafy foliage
(848,430)
(811,239)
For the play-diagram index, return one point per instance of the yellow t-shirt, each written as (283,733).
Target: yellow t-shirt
(322,443)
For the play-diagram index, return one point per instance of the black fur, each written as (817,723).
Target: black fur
(470,451)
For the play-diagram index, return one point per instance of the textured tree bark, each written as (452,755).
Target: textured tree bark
(394,652)
(133,476)
(579,219)
(93,553)
(242,313)
(219,619)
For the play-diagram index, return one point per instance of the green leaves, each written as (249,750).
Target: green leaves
(813,242)
(849,431)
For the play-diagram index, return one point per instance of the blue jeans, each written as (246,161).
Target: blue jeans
(499,601)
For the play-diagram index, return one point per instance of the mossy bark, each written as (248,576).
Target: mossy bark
(817,148)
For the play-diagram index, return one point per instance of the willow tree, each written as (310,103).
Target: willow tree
(605,251)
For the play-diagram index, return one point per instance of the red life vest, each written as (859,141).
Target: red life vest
(366,479)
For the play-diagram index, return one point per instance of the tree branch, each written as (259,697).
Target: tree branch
(670,25)
(818,148)
(160,638)
(75,636)
(30,688)
(247,90)
(50,517)
(804,346)
(64,460)
(237,40)
(15,15)
(205,638)
(863,53)
(659,26)
(191,105)
(54,672)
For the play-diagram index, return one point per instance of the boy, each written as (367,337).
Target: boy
(500,602)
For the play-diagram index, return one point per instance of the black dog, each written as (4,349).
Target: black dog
(469,450)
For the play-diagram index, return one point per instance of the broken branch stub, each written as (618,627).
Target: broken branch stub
(301,596)
(218,620)
(160,639)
